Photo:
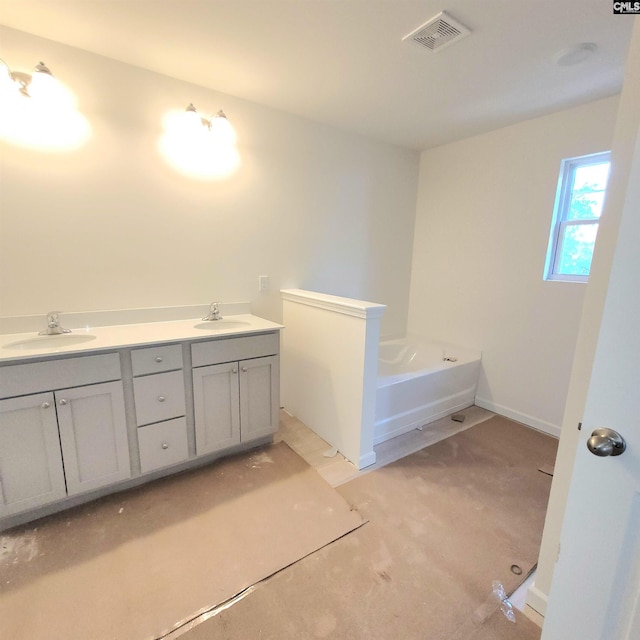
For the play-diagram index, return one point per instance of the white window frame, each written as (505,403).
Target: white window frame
(559,221)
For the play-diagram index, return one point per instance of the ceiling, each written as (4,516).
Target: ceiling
(344,63)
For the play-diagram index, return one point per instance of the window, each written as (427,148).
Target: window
(580,197)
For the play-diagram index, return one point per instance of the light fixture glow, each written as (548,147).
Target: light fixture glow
(191,122)
(36,111)
(34,127)
(7,85)
(202,161)
(42,82)
(44,86)
(222,130)
(199,147)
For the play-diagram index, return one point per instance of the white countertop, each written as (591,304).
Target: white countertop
(30,346)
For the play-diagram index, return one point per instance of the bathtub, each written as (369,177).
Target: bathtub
(421,381)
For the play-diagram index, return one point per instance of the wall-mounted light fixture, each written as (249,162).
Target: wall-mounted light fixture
(40,85)
(217,125)
(198,146)
(31,85)
(38,111)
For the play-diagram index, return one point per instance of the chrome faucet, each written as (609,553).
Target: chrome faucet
(214,312)
(53,325)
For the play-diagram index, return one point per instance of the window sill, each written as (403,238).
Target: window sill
(573,279)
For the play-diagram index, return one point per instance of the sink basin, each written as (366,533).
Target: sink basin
(50,342)
(221,325)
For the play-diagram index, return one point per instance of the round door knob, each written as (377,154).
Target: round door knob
(606,442)
(159,359)
(244,369)
(63,401)
(234,371)
(161,398)
(46,405)
(165,445)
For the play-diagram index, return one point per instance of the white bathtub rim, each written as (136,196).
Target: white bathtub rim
(429,365)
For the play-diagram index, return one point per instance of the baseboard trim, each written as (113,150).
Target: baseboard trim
(537,600)
(367,460)
(530,421)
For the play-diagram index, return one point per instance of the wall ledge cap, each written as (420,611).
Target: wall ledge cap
(337,304)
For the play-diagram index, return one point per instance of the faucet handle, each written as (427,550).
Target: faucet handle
(214,312)
(53,325)
(53,318)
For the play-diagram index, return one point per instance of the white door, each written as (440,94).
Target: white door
(595,594)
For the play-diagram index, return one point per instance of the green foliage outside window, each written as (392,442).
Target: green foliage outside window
(582,192)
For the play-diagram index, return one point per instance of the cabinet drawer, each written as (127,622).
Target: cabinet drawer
(159,397)
(156,359)
(22,379)
(229,349)
(163,444)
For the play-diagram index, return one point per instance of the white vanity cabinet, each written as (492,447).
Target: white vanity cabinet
(235,393)
(68,440)
(74,426)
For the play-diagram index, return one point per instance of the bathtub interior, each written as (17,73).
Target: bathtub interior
(413,353)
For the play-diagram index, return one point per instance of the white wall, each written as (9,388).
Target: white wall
(482,226)
(112,226)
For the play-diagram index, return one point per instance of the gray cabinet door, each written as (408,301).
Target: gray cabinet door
(216,407)
(259,385)
(31,472)
(93,435)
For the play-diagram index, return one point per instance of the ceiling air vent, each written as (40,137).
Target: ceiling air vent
(438,33)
